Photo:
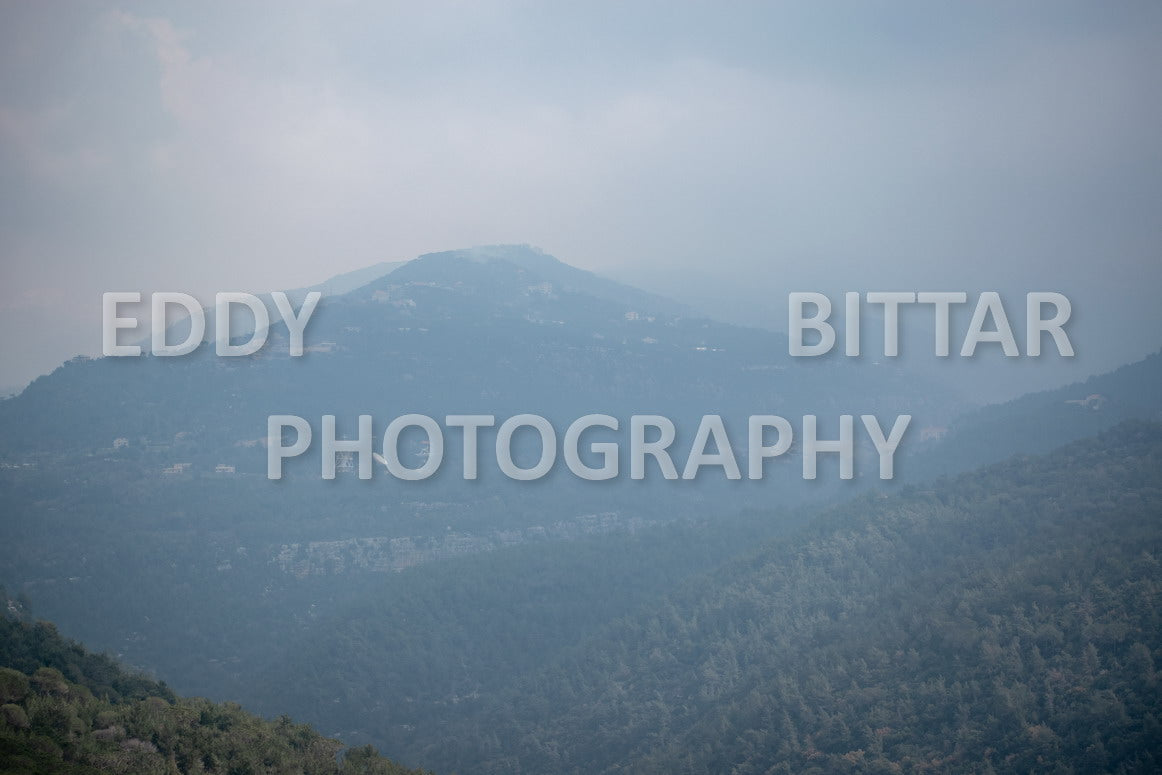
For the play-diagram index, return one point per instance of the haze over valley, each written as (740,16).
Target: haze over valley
(489,430)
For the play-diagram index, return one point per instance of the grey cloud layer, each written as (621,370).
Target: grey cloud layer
(729,155)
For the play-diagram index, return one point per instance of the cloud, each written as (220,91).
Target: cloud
(230,147)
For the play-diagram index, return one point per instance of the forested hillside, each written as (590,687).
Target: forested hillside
(394,659)
(1039,422)
(1006,621)
(65,710)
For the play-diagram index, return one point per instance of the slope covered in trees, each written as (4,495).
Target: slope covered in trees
(64,710)
(1039,422)
(398,659)
(1006,621)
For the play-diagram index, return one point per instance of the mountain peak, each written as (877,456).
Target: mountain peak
(513,253)
(487,265)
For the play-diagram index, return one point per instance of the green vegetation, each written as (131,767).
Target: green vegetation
(1008,621)
(411,653)
(1004,621)
(64,710)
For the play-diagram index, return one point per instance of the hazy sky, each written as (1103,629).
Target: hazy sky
(723,156)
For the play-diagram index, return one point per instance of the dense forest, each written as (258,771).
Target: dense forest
(65,710)
(1005,621)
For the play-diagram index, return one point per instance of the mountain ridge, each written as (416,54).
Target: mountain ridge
(978,624)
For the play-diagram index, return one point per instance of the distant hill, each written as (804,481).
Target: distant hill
(1038,422)
(565,277)
(446,333)
(65,710)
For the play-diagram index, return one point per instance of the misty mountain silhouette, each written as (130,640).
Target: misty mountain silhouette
(495,330)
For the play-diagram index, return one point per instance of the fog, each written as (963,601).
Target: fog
(721,158)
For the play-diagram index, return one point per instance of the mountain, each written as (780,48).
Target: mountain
(542,268)
(1041,421)
(139,516)
(66,710)
(1006,621)
(568,278)
(445,333)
